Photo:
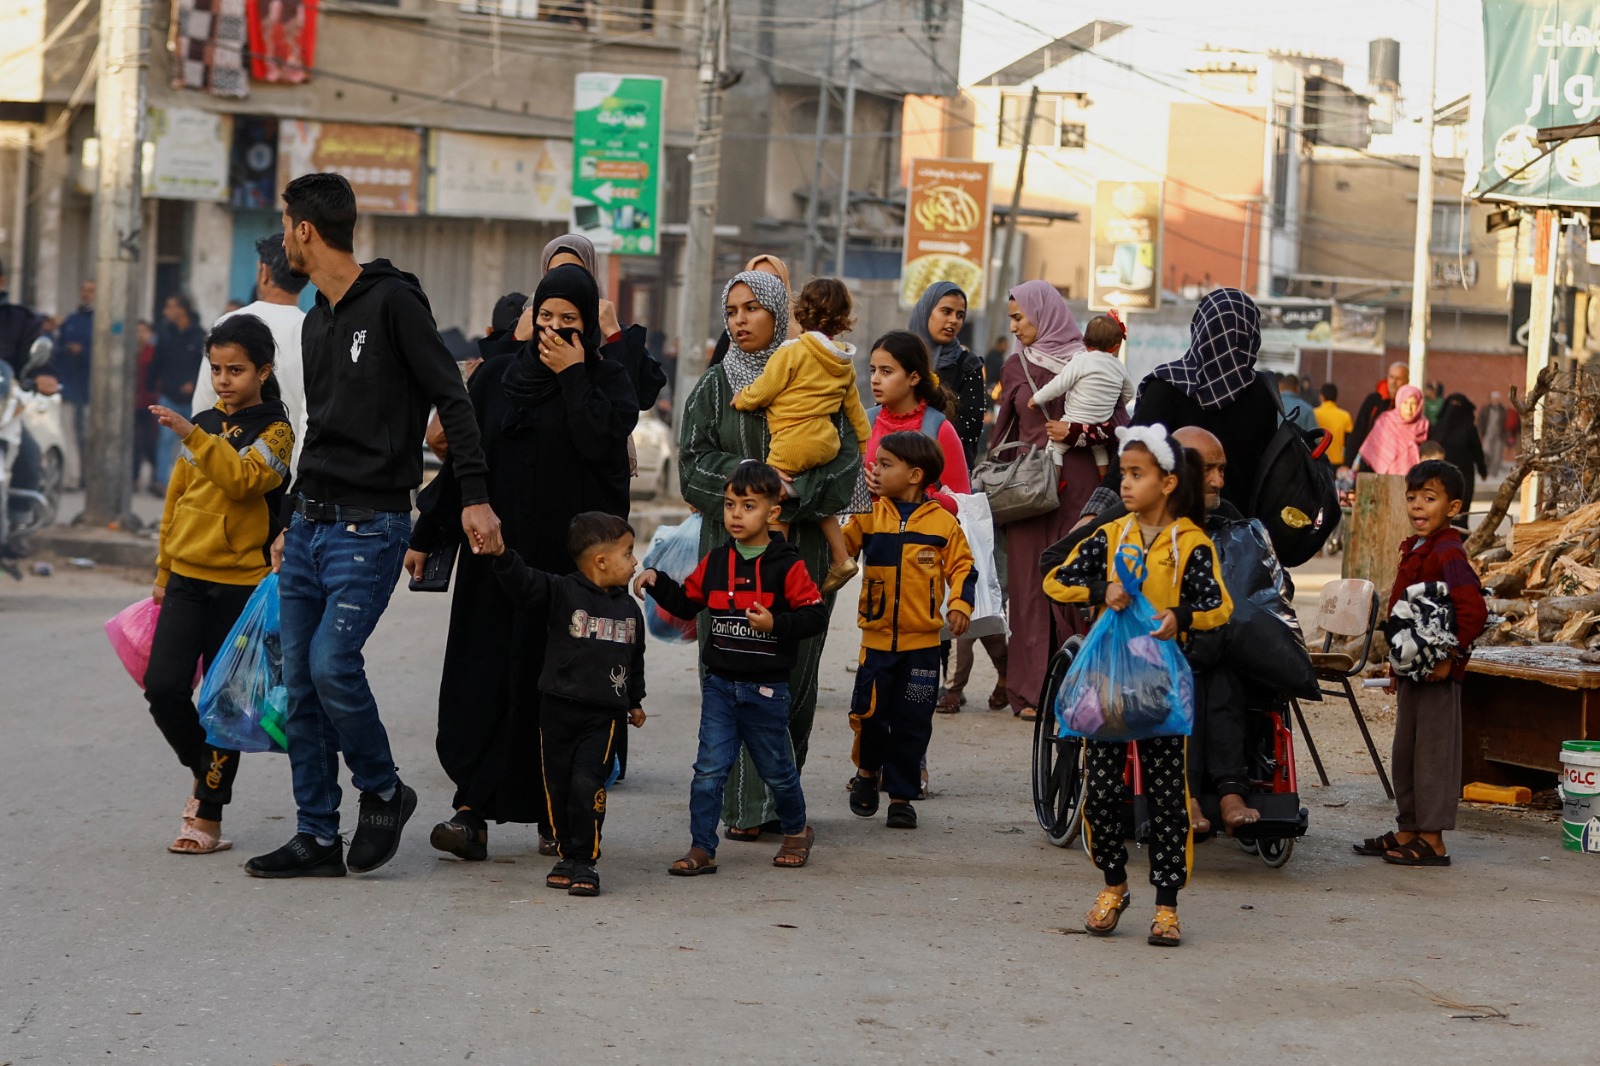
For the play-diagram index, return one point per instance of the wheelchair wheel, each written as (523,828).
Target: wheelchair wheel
(1275,852)
(1058,778)
(1249,847)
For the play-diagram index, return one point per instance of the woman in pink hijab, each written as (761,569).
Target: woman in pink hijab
(1397,435)
(1046,337)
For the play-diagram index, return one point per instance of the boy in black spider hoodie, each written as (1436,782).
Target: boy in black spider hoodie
(761,603)
(592,682)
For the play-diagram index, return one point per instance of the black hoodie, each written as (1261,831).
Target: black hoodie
(374,365)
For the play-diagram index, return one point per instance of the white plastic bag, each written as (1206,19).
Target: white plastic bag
(988,608)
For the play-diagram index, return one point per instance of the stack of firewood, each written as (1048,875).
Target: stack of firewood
(1543,585)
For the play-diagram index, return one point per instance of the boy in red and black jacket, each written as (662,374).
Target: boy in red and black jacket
(1427,734)
(761,602)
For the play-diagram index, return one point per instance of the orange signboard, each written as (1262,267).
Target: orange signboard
(947,228)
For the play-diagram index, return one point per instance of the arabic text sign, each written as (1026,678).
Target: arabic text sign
(616,162)
(1125,252)
(479,175)
(1541,69)
(186,157)
(382,163)
(947,228)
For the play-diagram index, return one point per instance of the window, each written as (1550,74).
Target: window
(567,12)
(1055,121)
(1449,229)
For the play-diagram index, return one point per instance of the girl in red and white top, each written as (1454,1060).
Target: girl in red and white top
(910,398)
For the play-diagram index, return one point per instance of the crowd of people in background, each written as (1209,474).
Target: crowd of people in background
(292,442)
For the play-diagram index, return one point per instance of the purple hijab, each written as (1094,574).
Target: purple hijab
(1059,337)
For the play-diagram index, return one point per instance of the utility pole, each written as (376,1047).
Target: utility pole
(1541,304)
(813,250)
(119,125)
(841,244)
(704,174)
(999,284)
(1421,269)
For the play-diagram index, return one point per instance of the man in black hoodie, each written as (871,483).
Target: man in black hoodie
(374,365)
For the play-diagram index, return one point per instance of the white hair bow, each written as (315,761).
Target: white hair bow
(1154,439)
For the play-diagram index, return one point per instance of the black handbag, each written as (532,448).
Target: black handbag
(1294,495)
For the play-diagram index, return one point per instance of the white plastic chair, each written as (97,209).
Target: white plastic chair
(1348,608)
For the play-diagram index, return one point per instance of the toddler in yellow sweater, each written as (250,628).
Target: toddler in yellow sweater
(805,384)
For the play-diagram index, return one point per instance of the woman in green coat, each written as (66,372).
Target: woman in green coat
(714,439)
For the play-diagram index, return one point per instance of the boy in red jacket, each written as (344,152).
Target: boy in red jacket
(1427,733)
(761,603)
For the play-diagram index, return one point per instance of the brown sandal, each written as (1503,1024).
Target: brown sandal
(998,698)
(1164,931)
(791,851)
(743,835)
(1107,911)
(1376,846)
(695,863)
(1417,852)
(949,703)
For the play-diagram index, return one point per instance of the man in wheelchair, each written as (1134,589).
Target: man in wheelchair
(1244,672)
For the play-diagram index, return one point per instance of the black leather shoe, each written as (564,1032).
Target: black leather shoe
(301,857)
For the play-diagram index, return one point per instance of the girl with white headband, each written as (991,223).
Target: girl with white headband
(1163,487)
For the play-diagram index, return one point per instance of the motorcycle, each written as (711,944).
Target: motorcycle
(28,508)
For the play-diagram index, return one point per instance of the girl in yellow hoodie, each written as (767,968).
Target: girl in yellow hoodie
(220,517)
(1163,487)
(806,382)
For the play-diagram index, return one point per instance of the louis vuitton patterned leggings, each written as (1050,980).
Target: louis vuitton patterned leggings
(1166,792)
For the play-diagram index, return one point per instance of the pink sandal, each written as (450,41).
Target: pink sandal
(205,843)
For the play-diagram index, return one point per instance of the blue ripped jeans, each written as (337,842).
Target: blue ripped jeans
(756,714)
(333,586)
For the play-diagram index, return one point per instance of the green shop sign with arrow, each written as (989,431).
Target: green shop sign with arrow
(616,162)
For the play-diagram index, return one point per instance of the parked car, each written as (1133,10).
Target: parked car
(657,451)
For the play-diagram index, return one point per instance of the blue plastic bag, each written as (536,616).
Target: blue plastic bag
(675,551)
(243,703)
(1125,684)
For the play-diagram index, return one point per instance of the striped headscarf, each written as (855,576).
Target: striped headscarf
(1224,338)
(744,367)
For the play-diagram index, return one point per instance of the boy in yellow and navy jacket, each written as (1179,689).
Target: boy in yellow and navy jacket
(913,551)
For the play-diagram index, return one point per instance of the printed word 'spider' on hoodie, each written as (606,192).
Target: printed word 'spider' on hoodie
(1181,572)
(910,555)
(726,584)
(596,649)
(374,365)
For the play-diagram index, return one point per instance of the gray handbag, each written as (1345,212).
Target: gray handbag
(1023,486)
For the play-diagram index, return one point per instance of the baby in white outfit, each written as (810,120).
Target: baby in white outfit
(1095,383)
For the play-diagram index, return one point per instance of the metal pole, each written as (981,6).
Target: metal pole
(841,243)
(1421,268)
(1541,306)
(1244,252)
(19,232)
(813,250)
(704,173)
(998,292)
(119,125)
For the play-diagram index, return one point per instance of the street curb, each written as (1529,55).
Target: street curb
(106,547)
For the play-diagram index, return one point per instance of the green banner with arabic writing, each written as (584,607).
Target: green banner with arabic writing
(1541,69)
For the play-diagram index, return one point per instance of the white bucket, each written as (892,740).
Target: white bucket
(1580,796)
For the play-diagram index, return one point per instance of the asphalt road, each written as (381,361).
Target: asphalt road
(958,942)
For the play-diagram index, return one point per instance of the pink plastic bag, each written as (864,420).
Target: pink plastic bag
(131,633)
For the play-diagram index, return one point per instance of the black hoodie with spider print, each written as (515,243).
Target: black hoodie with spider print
(596,650)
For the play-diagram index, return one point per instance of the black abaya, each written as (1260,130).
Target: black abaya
(573,457)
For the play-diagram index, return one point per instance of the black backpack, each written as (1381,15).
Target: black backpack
(1295,496)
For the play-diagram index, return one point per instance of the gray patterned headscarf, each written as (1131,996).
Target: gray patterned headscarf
(744,367)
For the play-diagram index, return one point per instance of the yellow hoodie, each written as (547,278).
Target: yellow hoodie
(217,518)
(805,382)
(908,563)
(1181,572)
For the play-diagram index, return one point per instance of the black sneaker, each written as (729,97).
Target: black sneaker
(378,828)
(301,857)
(901,816)
(864,796)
